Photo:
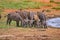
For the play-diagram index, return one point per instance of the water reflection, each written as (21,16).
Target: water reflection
(54,22)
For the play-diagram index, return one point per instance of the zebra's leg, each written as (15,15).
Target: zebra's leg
(17,23)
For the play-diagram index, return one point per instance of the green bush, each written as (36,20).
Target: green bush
(48,10)
(57,2)
(51,0)
(56,8)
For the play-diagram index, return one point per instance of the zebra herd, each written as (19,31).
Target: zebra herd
(36,19)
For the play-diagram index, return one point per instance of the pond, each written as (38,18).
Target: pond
(53,22)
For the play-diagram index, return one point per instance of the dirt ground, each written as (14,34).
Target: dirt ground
(30,34)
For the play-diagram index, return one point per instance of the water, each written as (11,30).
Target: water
(54,22)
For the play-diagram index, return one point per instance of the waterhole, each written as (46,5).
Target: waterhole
(54,22)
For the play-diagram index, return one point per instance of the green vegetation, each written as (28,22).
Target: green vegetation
(3,24)
(51,0)
(57,2)
(48,10)
(20,4)
(56,8)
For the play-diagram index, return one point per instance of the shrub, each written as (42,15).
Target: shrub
(51,0)
(48,10)
(56,8)
(57,2)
